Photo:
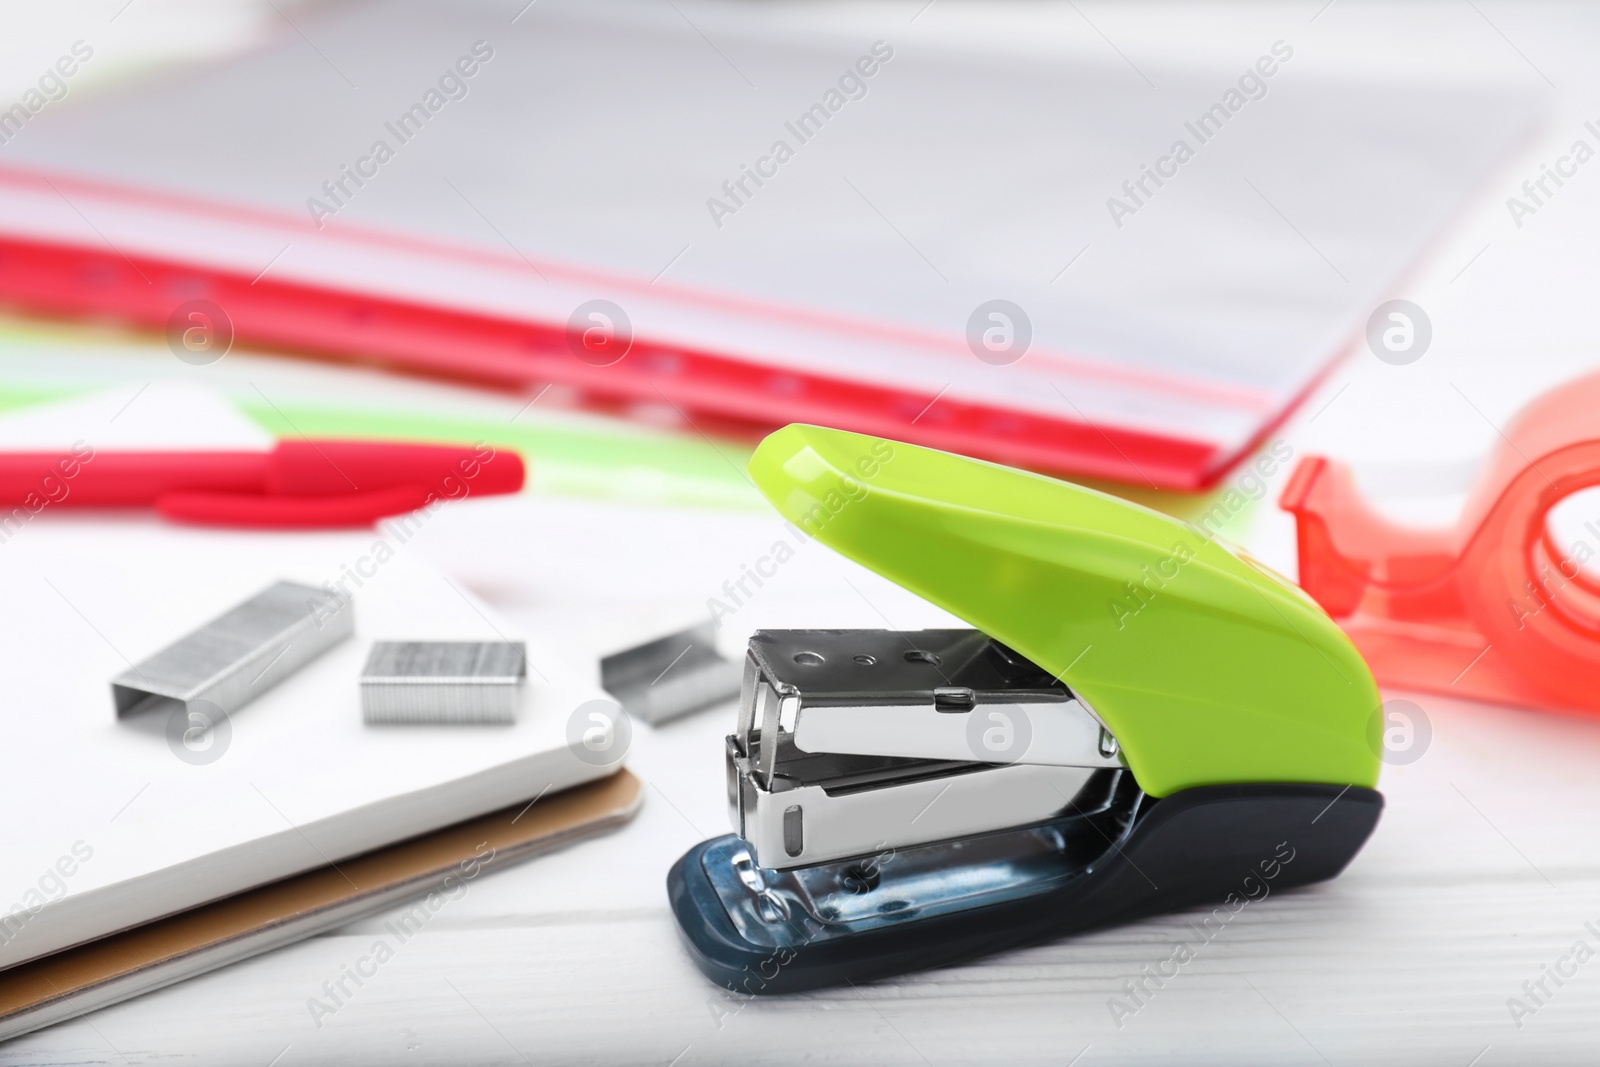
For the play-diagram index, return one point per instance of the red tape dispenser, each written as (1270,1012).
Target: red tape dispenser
(1494,609)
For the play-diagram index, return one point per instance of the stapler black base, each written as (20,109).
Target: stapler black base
(1119,855)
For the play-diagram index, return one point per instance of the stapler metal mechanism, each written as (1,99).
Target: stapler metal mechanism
(1140,719)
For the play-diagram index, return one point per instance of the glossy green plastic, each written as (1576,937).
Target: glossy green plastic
(1208,668)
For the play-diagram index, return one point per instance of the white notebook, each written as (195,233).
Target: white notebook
(109,827)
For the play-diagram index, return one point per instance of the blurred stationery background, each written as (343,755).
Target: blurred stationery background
(568,232)
(1043,268)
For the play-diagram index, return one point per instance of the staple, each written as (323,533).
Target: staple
(240,654)
(443,682)
(671,676)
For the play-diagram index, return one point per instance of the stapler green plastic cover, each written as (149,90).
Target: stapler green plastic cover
(1140,719)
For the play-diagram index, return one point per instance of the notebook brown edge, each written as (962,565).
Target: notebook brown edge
(465,849)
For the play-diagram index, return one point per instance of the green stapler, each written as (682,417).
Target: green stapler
(1140,719)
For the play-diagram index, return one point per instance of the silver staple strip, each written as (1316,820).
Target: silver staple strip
(671,676)
(443,682)
(240,654)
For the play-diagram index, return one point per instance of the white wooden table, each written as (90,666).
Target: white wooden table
(1484,871)
(1481,873)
